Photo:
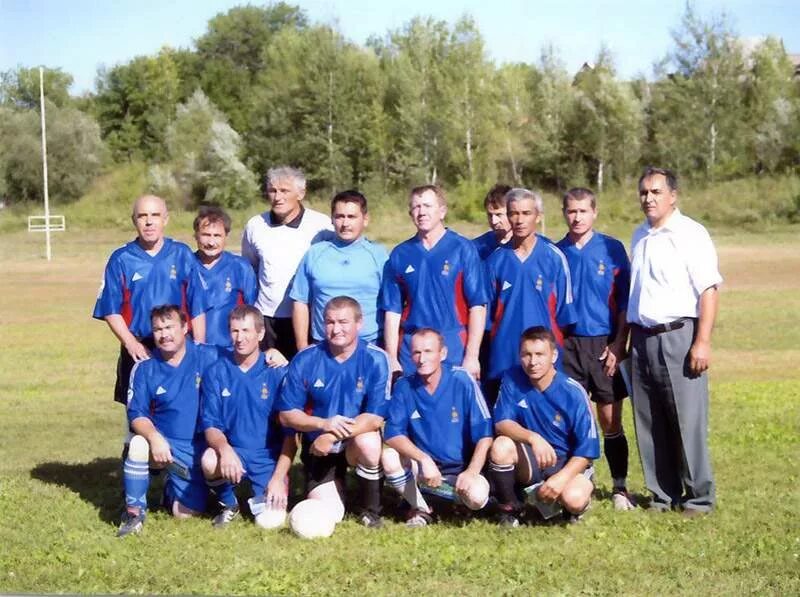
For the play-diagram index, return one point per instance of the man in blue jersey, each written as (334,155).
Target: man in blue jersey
(348,265)
(529,284)
(230,279)
(436,280)
(163,406)
(336,394)
(546,436)
(147,272)
(600,281)
(240,422)
(500,229)
(438,431)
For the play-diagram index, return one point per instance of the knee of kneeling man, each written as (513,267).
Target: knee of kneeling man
(575,499)
(390,460)
(208,462)
(503,450)
(139,449)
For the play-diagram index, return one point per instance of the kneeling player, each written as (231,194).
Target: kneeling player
(547,437)
(241,426)
(438,432)
(336,394)
(163,404)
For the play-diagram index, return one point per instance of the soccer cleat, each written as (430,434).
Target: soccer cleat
(131,524)
(417,519)
(622,500)
(224,518)
(371,520)
(508,521)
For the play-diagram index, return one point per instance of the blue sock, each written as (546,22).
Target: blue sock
(224,491)
(136,476)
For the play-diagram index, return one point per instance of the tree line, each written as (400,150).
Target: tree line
(423,103)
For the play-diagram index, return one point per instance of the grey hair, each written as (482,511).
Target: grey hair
(518,194)
(287,172)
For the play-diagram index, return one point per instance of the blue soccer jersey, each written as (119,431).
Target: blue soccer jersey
(434,288)
(537,291)
(135,282)
(561,414)
(170,396)
(447,424)
(230,282)
(335,268)
(485,244)
(243,404)
(323,387)
(601,276)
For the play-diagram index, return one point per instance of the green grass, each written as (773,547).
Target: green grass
(60,478)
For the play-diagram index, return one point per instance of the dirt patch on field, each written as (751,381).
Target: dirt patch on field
(760,267)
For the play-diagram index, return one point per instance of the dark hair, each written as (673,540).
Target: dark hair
(350,196)
(538,332)
(496,197)
(166,311)
(435,188)
(241,312)
(578,194)
(431,331)
(212,214)
(342,302)
(669,175)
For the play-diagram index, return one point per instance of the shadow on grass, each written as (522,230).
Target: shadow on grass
(98,482)
(602,492)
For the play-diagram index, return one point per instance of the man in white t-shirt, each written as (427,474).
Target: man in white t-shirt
(274,242)
(671,309)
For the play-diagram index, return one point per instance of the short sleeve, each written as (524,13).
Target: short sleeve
(300,285)
(586,442)
(391,297)
(138,394)
(397,415)
(565,309)
(293,392)
(475,290)
(249,284)
(211,403)
(379,384)
(622,277)
(505,407)
(109,299)
(702,263)
(480,419)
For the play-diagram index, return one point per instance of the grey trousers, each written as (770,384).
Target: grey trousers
(670,409)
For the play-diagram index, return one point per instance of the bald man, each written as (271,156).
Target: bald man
(148,272)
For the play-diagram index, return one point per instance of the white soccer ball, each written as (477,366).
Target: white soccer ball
(311,519)
(271,518)
(478,494)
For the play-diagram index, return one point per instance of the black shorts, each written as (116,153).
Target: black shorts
(125,364)
(321,469)
(279,333)
(580,359)
(538,475)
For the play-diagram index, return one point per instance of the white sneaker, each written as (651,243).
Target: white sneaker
(622,501)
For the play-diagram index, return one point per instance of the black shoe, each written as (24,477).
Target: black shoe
(371,520)
(224,518)
(131,524)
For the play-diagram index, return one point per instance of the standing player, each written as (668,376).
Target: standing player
(240,422)
(145,273)
(336,394)
(230,280)
(163,406)
(529,285)
(600,282)
(438,430)
(436,280)
(349,264)
(545,433)
(274,242)
(500,229)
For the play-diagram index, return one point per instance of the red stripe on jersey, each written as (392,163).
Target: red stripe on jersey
(497,317)
(612,298)
(185,306)
(462,308)
(551,308)
(309,406)
(239,298)
(126,311)
(406,296)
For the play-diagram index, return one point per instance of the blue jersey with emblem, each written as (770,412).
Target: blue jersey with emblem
(170,396)
(323,387)
(243,404)
(135,282)
(230,282)
(335,268)
(601,277)
(561,414)
(537,291)
(447,424)
(485,244)
(434,288)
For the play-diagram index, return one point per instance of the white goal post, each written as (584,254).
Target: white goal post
(45,223)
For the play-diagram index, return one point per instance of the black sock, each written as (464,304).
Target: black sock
(615,448)
(503,480)
(370,482)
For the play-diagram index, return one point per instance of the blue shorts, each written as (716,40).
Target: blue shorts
(259,464)
(191,492)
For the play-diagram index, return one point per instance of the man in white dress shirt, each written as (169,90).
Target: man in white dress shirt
(274,242)
(672,307)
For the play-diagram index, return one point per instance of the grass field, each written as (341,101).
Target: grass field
(59,471)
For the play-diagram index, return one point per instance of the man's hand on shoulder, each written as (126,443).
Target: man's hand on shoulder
(137,350)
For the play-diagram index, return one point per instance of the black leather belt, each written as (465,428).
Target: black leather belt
(663,327)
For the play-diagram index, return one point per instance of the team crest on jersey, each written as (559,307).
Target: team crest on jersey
(360,384)
(446,268)
(173,272)
(539,283)
(453,415)
(228,285)
(264,391)
(601,268)
(197,379)
(558,420)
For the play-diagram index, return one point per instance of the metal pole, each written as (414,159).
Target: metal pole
(44,164)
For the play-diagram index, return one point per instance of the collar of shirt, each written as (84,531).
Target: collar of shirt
(295,223)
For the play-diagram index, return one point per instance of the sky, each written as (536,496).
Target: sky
(78,36)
